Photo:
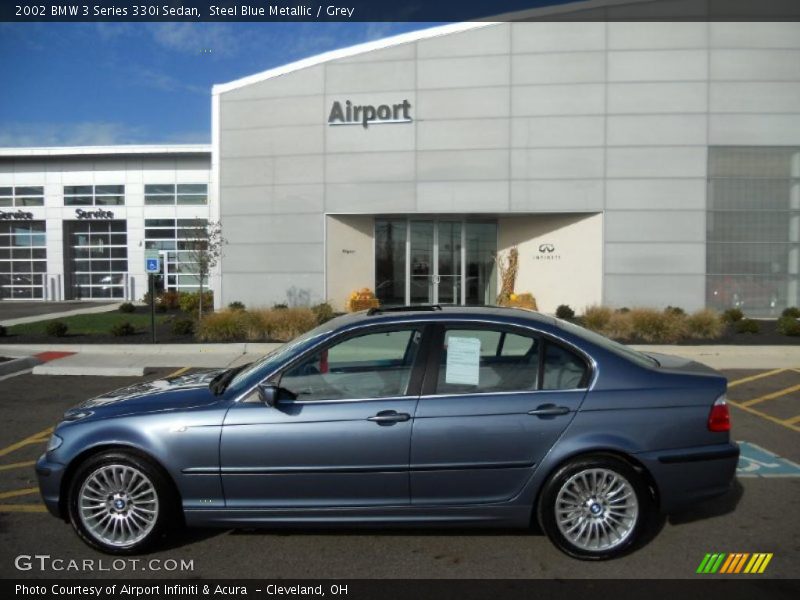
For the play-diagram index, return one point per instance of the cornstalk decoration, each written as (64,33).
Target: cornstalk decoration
(507,268)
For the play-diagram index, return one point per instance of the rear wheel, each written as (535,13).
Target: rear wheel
(594,507)
(118,503)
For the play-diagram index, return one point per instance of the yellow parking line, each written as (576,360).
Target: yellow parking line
(772,396)
(180,371)
(36,438)
(754,377)
(786,424)
(792,421)
(17,465)
(22,492)
(26,508)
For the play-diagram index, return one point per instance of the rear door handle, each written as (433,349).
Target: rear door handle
(549,410)
(389,416)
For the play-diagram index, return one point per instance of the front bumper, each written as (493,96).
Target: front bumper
(688,476)
(50,475)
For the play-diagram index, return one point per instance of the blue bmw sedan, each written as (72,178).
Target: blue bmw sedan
(418,416)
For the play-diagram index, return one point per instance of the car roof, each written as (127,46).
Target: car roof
(445,313)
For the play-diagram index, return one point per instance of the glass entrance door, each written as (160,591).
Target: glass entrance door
(435,261)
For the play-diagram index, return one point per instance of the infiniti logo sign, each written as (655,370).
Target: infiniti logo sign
(547,252)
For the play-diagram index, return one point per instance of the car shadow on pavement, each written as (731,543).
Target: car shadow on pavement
(715,507)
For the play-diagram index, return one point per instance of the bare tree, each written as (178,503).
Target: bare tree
(204,249)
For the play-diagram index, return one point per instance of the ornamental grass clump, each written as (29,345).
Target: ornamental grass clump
(657,327)
(222,326)
(597,318)
(704,324)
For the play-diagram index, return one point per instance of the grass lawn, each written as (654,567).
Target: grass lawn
(97,323)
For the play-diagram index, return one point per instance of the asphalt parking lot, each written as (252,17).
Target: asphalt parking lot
(761,515)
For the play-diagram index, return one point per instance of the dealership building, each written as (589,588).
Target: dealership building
(631,164)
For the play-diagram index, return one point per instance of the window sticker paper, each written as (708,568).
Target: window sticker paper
(463,360)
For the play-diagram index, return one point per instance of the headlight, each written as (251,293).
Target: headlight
(54,443)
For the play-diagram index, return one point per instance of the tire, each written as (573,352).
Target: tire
(594,507)
(120,503)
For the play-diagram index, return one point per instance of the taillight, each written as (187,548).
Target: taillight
(719,419)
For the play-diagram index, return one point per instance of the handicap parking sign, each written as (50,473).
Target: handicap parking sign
(755,461)
(152,265)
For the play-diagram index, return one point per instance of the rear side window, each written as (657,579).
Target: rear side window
(562,369)
(486,360)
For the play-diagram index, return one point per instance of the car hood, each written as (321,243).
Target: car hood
(164,394)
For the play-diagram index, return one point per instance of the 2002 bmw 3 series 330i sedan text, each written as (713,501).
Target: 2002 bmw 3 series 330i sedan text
(403,417)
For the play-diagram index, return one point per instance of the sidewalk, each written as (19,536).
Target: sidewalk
(45,316)
(137,359)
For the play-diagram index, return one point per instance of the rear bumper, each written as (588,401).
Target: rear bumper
(690,475)
(49,475)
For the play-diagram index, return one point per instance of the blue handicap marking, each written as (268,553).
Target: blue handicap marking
(151,265)
(755,461)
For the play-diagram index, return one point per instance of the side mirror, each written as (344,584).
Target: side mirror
(268,394)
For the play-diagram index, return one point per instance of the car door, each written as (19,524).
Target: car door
(340,433)
(491,408)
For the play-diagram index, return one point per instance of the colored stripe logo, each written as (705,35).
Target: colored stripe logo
(734,563)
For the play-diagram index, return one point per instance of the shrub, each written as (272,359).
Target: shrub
(619,326)
(323,312)
(280,306)
(183,327)
(223,326)
(792,311)
(56,329)
(169,299)
(675,310)
(788,325)
(160,308)
(704,325)
(596,318)
(623,310)
(732,315)
(122,328)
(236,305)
(126,307)
(563,311)
(654,326)
(281,325)
(747,326)
(3,331)
(189,302)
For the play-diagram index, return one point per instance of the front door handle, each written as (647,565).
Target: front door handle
(549,410)
(389,416)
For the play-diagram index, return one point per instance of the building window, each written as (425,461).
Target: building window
(23,259)
(22,196)
(178,240)
(96,253)
(182,193)
(94,195)
(753,229)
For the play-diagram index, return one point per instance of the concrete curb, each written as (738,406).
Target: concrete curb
(54,369)
(140,349)
(18,364)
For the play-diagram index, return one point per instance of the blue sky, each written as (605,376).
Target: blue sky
(139,83)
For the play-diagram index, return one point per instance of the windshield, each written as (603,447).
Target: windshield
(607,344)
(278,355)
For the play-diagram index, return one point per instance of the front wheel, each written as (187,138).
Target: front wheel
(118,503)
(594,508)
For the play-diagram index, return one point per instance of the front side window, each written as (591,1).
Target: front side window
(487,360)
(374,365)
